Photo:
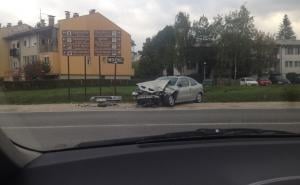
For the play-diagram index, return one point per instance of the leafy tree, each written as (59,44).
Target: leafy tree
(264,53)
(235,41)
(182,28)
(37,70)
(286,29)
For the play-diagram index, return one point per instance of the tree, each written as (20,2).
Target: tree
(158,54)
(36,70)
(286,30)
(264,53)
(182,28)
(235,42)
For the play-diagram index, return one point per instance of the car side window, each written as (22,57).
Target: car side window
(193,82)
(183,82)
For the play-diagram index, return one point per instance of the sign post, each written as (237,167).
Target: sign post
(108,44)
(69,86)
(99,65)
(76,43)
(85,59)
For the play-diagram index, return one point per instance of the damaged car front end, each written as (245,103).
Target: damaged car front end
(154,93)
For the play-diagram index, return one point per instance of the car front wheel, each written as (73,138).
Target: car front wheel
(170,100)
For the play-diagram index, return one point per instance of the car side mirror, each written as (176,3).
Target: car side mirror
(179,85)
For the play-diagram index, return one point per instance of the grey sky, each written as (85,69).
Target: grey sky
(144,18)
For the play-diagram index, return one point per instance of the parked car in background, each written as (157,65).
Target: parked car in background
(168,90)
(279,80)
(264,81)
(248,82)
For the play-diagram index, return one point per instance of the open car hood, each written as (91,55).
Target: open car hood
(153,86)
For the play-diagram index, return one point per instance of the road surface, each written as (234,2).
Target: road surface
(55,130)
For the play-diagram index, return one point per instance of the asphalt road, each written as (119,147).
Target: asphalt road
(52,130)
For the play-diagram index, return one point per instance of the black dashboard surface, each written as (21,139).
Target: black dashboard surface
(217,162)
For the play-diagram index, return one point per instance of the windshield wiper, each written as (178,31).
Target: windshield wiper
(198,134)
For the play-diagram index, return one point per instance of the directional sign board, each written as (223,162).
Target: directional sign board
(115,60)
(107,42)
(76,42)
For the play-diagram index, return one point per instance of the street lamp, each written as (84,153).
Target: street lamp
(204,75)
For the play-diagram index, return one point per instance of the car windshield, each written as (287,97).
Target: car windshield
(81,71)
(172,81)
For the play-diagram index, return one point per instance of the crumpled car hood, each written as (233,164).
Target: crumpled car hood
(153,86)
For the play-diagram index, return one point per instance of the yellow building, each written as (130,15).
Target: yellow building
(46,44)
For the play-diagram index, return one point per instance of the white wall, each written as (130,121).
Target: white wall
(284,57)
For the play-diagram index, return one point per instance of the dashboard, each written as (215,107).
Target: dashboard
(262,161)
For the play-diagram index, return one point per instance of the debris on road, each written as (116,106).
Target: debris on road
(104,101)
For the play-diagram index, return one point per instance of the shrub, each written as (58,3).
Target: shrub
(291,77)
(36,70)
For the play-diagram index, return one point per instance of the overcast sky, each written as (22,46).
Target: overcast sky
(144,18)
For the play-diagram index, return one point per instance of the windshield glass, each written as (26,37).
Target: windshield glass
(172,81)
(79,71)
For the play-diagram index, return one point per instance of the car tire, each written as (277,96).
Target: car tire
(199,98)
(170,100)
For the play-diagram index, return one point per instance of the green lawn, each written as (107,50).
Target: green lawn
(248,94)
(212,94)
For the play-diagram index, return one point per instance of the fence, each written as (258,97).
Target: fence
(52,84)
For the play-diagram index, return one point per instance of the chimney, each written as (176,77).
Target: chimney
(51,20)
(43,24)
(67,13)
(92,11)
(20,22)
(8,25)
(75,15)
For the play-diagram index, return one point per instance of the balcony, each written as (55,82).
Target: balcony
(15,52)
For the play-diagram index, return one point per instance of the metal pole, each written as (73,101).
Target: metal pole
(69,90)
(85,77)
(115,80)
(100,88)
(204,73)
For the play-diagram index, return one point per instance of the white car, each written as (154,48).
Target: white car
(248,82)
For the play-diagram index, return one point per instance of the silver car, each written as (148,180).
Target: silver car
(168,90)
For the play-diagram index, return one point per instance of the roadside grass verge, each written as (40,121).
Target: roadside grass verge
(212,94)
(253,94)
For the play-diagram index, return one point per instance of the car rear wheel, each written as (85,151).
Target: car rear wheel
(199,98)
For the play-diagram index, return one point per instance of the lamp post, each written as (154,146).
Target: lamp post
(204,75)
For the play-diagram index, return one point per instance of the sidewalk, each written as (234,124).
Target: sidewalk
(132,107)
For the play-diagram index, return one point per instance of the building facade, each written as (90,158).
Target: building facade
(5,64)
(48,44)
(289,56)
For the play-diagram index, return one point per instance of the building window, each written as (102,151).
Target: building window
(290,63)
(113,39)
(297,51)
(13,46)
(46,60)
(18,44)
(286,63)
(289,51)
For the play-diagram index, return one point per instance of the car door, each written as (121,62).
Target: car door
(194,86)
(184,93)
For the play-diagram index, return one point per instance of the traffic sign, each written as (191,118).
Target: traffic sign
(76,42)
(107,42)
(115,60)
